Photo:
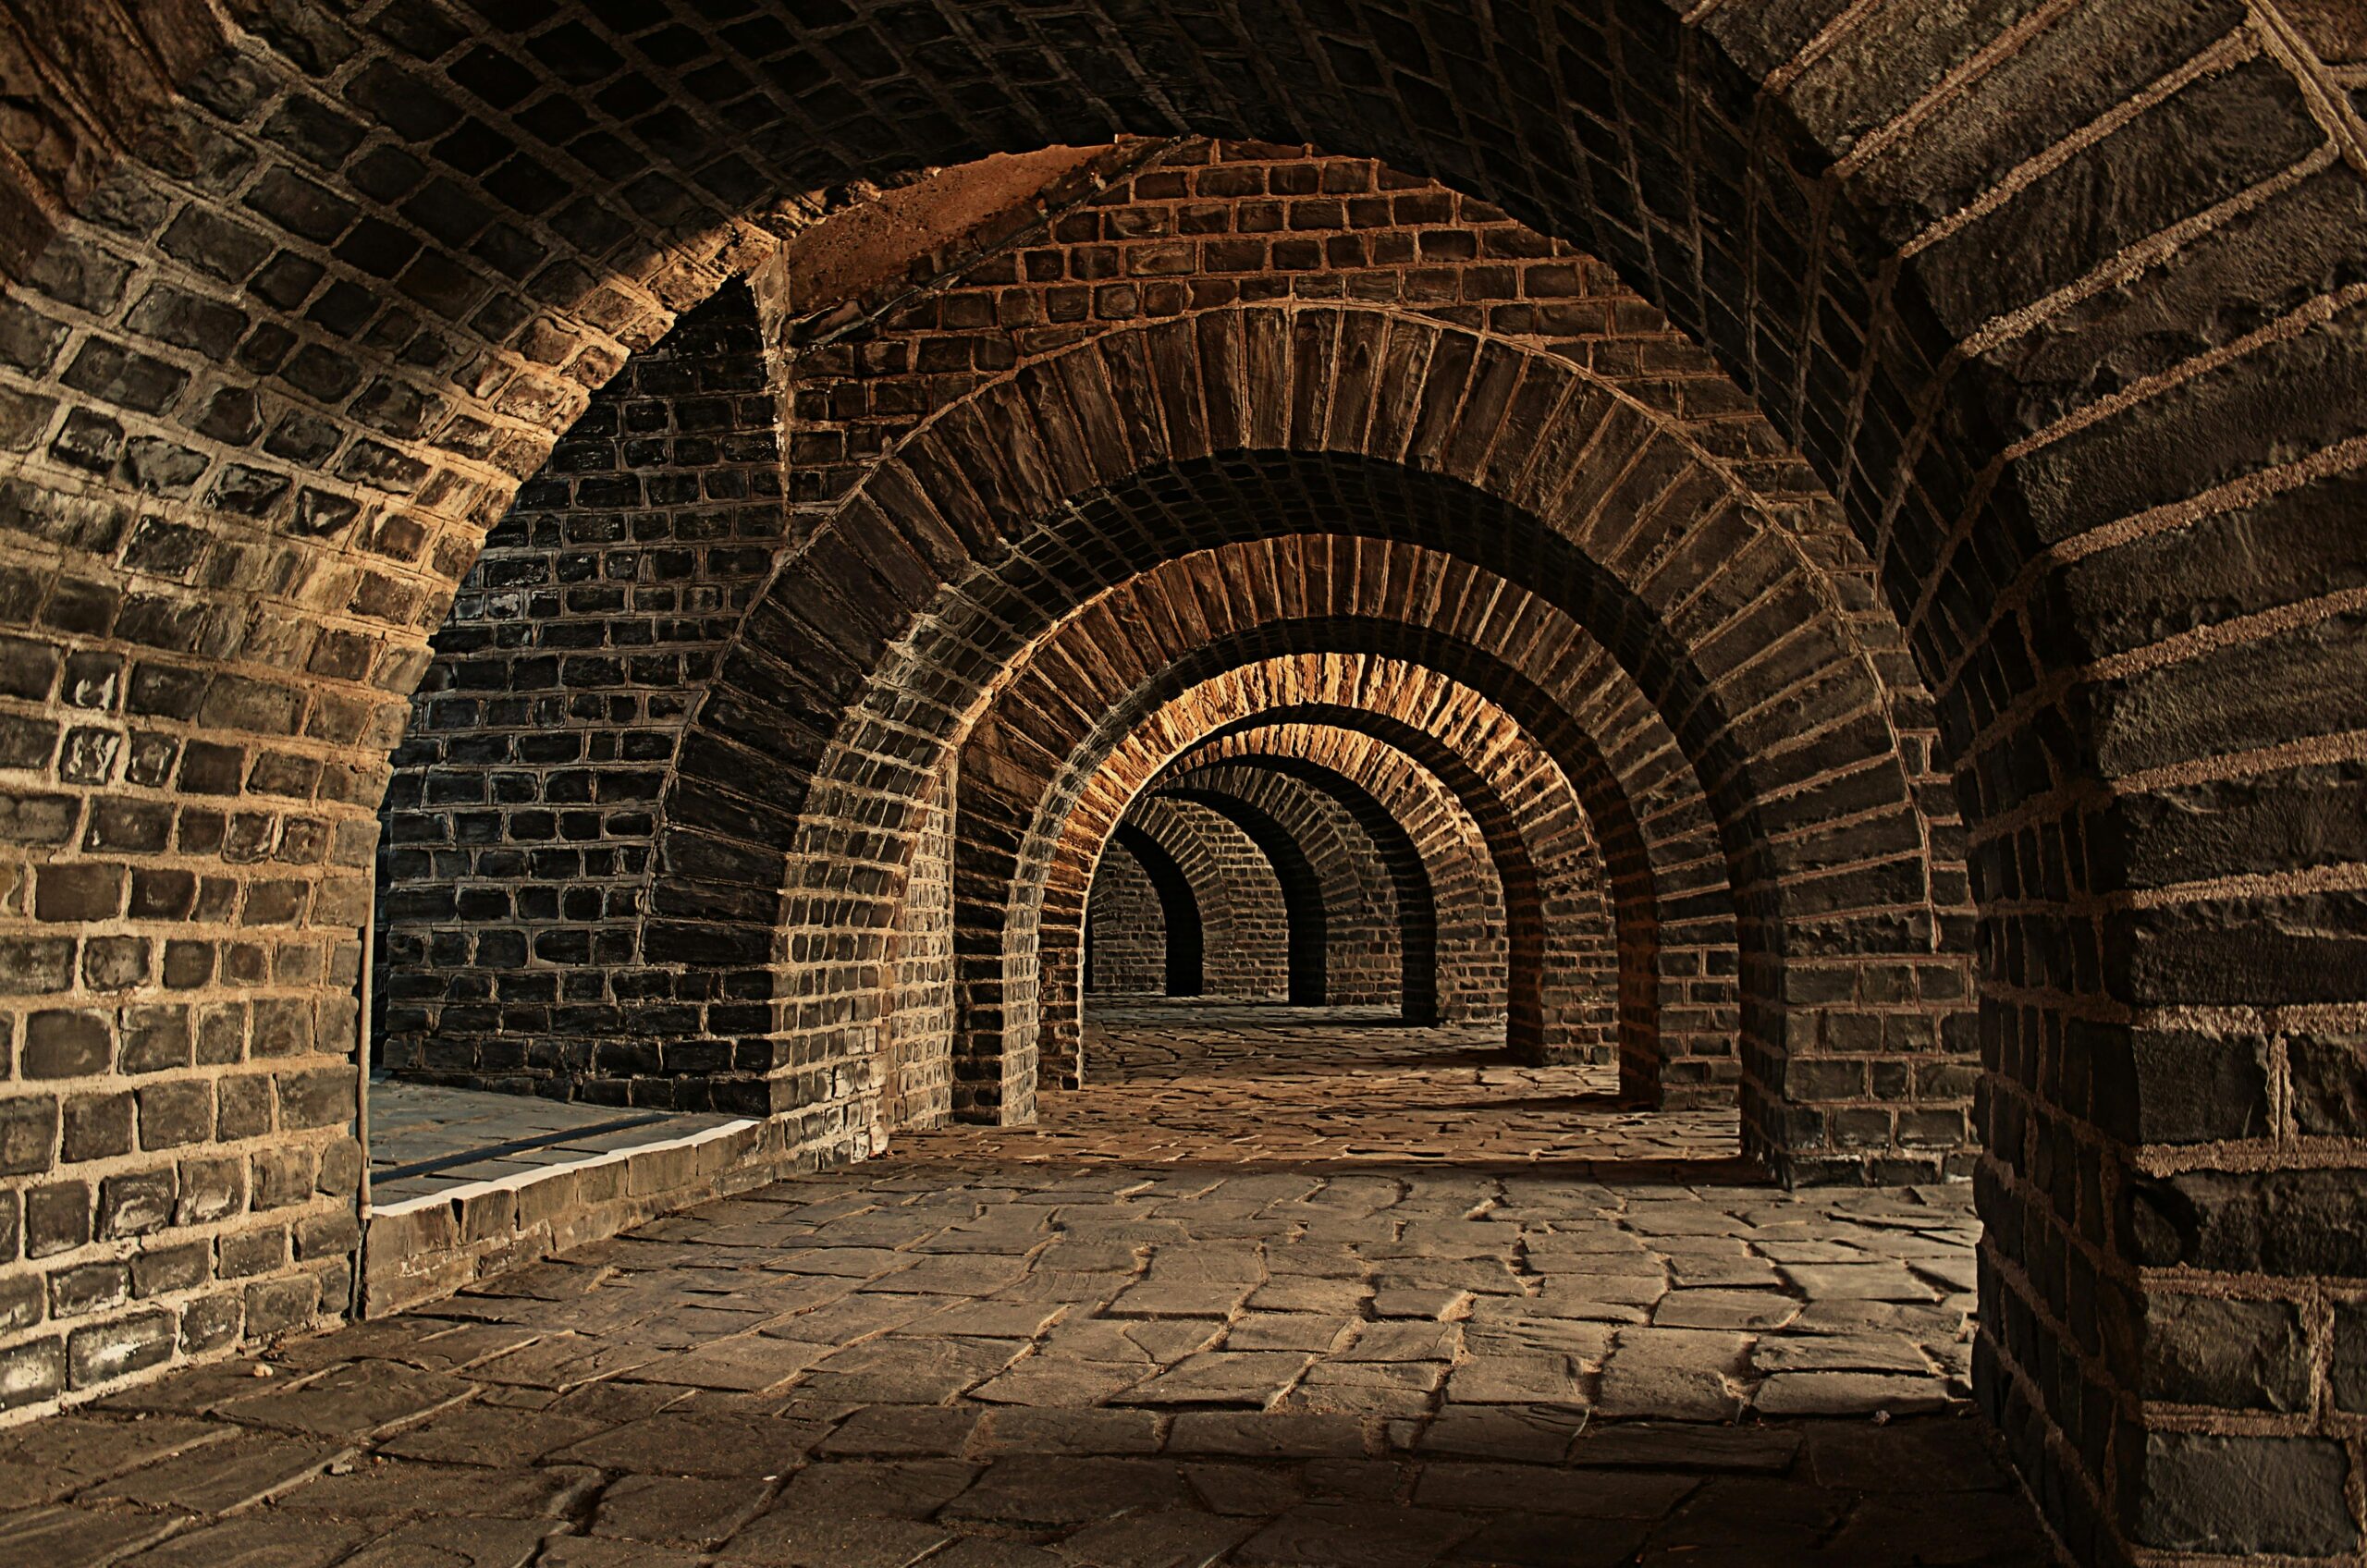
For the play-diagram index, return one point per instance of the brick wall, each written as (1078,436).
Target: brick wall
(1125,929)
(522,816)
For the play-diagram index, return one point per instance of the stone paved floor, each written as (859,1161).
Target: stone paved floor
(1241,1082)
(1172,1340)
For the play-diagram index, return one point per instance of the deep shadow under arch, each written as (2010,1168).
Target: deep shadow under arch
(1307,943)
(1179,911)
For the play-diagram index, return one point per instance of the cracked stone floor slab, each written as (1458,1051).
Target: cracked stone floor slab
(1192,1322)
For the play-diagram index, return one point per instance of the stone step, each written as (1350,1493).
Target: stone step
(421,1245)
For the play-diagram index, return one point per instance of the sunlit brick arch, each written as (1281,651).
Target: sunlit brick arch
(1668,874)
(1145,935)
(1437,857)
(2101,452)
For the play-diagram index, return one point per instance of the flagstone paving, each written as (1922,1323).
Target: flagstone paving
(1157,1340)
(1231,1080)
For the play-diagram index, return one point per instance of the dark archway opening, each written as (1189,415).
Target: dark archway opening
(1180,909)
(1307,942)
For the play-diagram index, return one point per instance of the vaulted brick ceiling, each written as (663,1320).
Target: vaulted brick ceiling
(1895,466)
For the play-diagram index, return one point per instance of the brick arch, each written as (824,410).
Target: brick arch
(1030,843)
(1580,464)
(1361,962)
(1389,941)
(2110,539)
(1438,855)
(1305,944)
(1181,941)
(1244,909)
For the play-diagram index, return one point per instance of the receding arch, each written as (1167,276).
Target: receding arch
(1245,918)
(1861,210)
(1414,901)
(1832,693)
(1571,1001)
(1080,685)
(1181,928)
(1418,814)
(1632,914)
(1030,865)
(1302,887)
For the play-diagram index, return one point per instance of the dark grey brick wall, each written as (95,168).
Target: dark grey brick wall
(522,816)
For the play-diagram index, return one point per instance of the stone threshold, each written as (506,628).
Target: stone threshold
(494,1198)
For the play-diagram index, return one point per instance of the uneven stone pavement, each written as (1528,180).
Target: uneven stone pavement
(1229,1082)
(970,1359)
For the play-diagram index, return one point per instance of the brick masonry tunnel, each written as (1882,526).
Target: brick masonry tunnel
(604,608)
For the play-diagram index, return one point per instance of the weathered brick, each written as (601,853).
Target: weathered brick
(96,1126)
(35,965)
(272,1306)
(83,892)
(33,1372)
(2243,1497)
(29,1126)
(102,1352)
(175,1115)
(134,1205)
(169,1269)
(87,1288)
(2230,1355)
(61,1043)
